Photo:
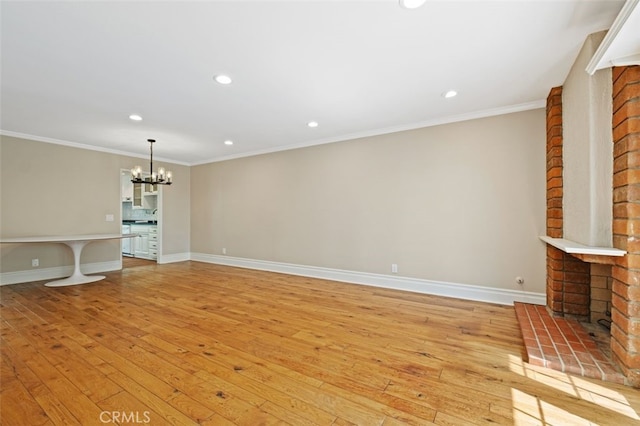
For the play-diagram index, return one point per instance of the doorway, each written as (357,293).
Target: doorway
(141,213)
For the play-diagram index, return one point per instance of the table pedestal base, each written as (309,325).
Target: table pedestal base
(75,280)
(77,277)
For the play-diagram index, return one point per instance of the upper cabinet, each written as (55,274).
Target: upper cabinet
(142,196)
(137,195)
(126,186)
(149,196)
(149,189)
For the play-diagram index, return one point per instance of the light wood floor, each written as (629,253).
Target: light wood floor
(134,262)
(190,343)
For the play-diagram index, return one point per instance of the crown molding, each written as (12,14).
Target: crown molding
(342,138)
(386,130)
(85,146)
(601,57)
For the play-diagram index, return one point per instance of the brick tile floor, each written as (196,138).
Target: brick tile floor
(562,344)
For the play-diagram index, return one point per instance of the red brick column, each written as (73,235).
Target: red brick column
(555,257)
(625,315)
(568,278)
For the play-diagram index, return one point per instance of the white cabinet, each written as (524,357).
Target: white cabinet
(126,187)
(126,242)
(149,200)
(141,246)
(132,193)
(137,195)
(153,242)
(148,189)
(145,245)
(144,196)
(140,195)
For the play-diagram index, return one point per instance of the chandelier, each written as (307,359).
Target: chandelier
(161,178)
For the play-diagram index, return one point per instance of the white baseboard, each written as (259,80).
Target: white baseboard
(172,258)
(438,288)
(42,274)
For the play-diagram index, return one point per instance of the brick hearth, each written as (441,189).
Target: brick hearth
(563,345)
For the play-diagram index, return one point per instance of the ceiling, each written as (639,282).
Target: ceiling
(73,72)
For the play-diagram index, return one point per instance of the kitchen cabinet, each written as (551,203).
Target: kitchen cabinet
(142,199)
(137,195)
(149,200)
(126,187)
(149,190)
(146,245)
(126,242)
(153,242)
(141,246)
(140,195)
(132,193)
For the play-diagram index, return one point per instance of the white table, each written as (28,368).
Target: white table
(76,243)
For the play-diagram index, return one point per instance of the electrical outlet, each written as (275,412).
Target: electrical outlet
(35,263)
(224,250)
(394,268)
(108,218)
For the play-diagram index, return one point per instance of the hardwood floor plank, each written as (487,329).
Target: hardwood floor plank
(124,408)
(263,386)
(15,366)
(191,408)
(140,399)
(217,420)
(56,410)
(444,402)
(17,404)
(122,365)
(376,405)
(291,416)
(83,375)
(443,419)
(194,343)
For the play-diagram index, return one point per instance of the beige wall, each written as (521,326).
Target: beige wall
(587,149)
(461,203)
(49,189)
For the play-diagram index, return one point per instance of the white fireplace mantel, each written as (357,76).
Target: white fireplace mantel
(573,247)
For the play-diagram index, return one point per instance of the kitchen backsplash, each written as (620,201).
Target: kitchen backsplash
(129,213)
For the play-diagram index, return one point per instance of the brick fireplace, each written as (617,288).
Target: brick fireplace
(602,289)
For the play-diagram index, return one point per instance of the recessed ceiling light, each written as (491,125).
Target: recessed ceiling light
(412,4)
(135,117)
(312,124)
(228,142)
(450,94)
(223,79)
